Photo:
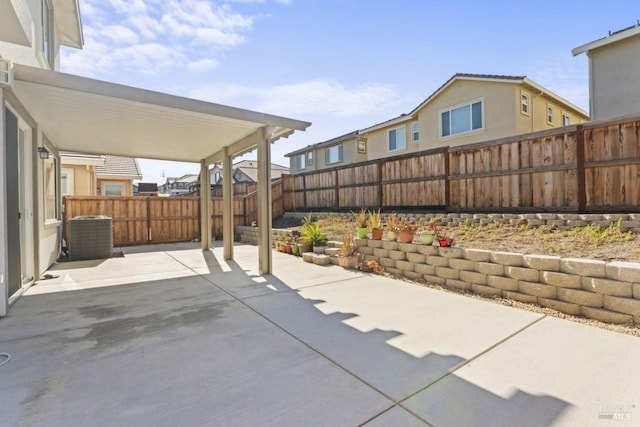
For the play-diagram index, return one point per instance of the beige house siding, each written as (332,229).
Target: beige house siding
(84,182)
(614,71)
(349,155)
(536,119)
(127,186)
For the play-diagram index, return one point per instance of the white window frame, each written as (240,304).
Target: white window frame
(50,184)
(340,154)
(310,158)
(550,114)
(69,172)
(566,119)
(106,184)
(525,106)
(415,132)
(362,146)
(402,128)
(455,107)
(301,161)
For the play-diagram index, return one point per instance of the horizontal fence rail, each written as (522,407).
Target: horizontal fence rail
(146,220)
(593,167)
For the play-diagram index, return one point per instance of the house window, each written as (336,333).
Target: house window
(112,189)
(566,120)
(50,189)
(462,119)
(216,177)
(302,161)
(415,131)
(66,182)
(524,103)
(46,32)
(549,114)
(310,158)
(362,146)
(334,154)
(397,139)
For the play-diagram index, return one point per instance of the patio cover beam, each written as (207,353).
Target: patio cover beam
(4,285)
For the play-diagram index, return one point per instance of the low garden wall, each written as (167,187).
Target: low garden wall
(249,234)
(609,292)
(559,220)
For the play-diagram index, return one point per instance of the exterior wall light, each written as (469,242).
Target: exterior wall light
(43,153)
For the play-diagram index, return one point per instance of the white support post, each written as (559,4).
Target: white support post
(205,203)
(264,204)
(227,203)
(4,285)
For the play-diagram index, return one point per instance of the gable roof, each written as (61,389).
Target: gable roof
(612,37)
(474,77)
(323,143)
(250,169)
(125,167)
(188,178)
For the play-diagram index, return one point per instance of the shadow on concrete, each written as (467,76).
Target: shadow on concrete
(117,315)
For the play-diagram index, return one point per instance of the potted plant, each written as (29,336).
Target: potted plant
(348,257)
(302,246)
(375,222)
(361,223)
(406,231)
(392,228)
(372,266)
(428,235)
(445,242)
(312,235)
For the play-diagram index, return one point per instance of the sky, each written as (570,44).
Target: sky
(340,64)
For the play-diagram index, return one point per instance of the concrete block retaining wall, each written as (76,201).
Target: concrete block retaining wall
(250,234)
(609,292)
(559,220)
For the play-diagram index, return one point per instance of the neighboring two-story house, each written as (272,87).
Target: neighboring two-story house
(467,109)
(178,186)
(91,175)
(614,73)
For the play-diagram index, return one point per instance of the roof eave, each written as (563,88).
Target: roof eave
(556,97)
(606,40)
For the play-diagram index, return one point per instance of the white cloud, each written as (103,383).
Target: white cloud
(306,98)
(153,35)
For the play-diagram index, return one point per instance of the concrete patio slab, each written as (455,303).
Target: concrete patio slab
(396,336)
(308,345)
(554,373)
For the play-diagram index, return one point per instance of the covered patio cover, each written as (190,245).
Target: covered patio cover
(96,117)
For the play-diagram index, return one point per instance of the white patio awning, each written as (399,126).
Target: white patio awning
(96,117)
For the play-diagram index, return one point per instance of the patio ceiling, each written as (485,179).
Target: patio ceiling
(96,117)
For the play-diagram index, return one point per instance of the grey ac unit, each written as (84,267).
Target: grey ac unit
(6,72)
(90,237)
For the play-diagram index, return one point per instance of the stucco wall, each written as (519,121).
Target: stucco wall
(349,155)
(32,56)
(127,186)
(536,120)
(84,183)
(615,71)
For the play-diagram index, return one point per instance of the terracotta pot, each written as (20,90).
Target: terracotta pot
(287,248)
(348,261)
(362,232)
(426,238)
(405,236)
(376,233)
(392,236)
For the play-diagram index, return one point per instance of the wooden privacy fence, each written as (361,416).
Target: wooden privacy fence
(594,167)
(144,220)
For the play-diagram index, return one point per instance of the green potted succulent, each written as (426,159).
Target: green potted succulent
(375,222)
(431,231)
(313,235)
(360,219)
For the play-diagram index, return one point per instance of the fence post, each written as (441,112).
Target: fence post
(581,176)
(447,183)
(304,190)
(380,198)
(337,190)
(244,209)
(148,219)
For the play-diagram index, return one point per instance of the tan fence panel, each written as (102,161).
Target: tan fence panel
(173,219)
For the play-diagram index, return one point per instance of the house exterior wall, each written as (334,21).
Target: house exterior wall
(536,119)
(33,56)
(84,181)
(349,155)
(127,186)
(614,82)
